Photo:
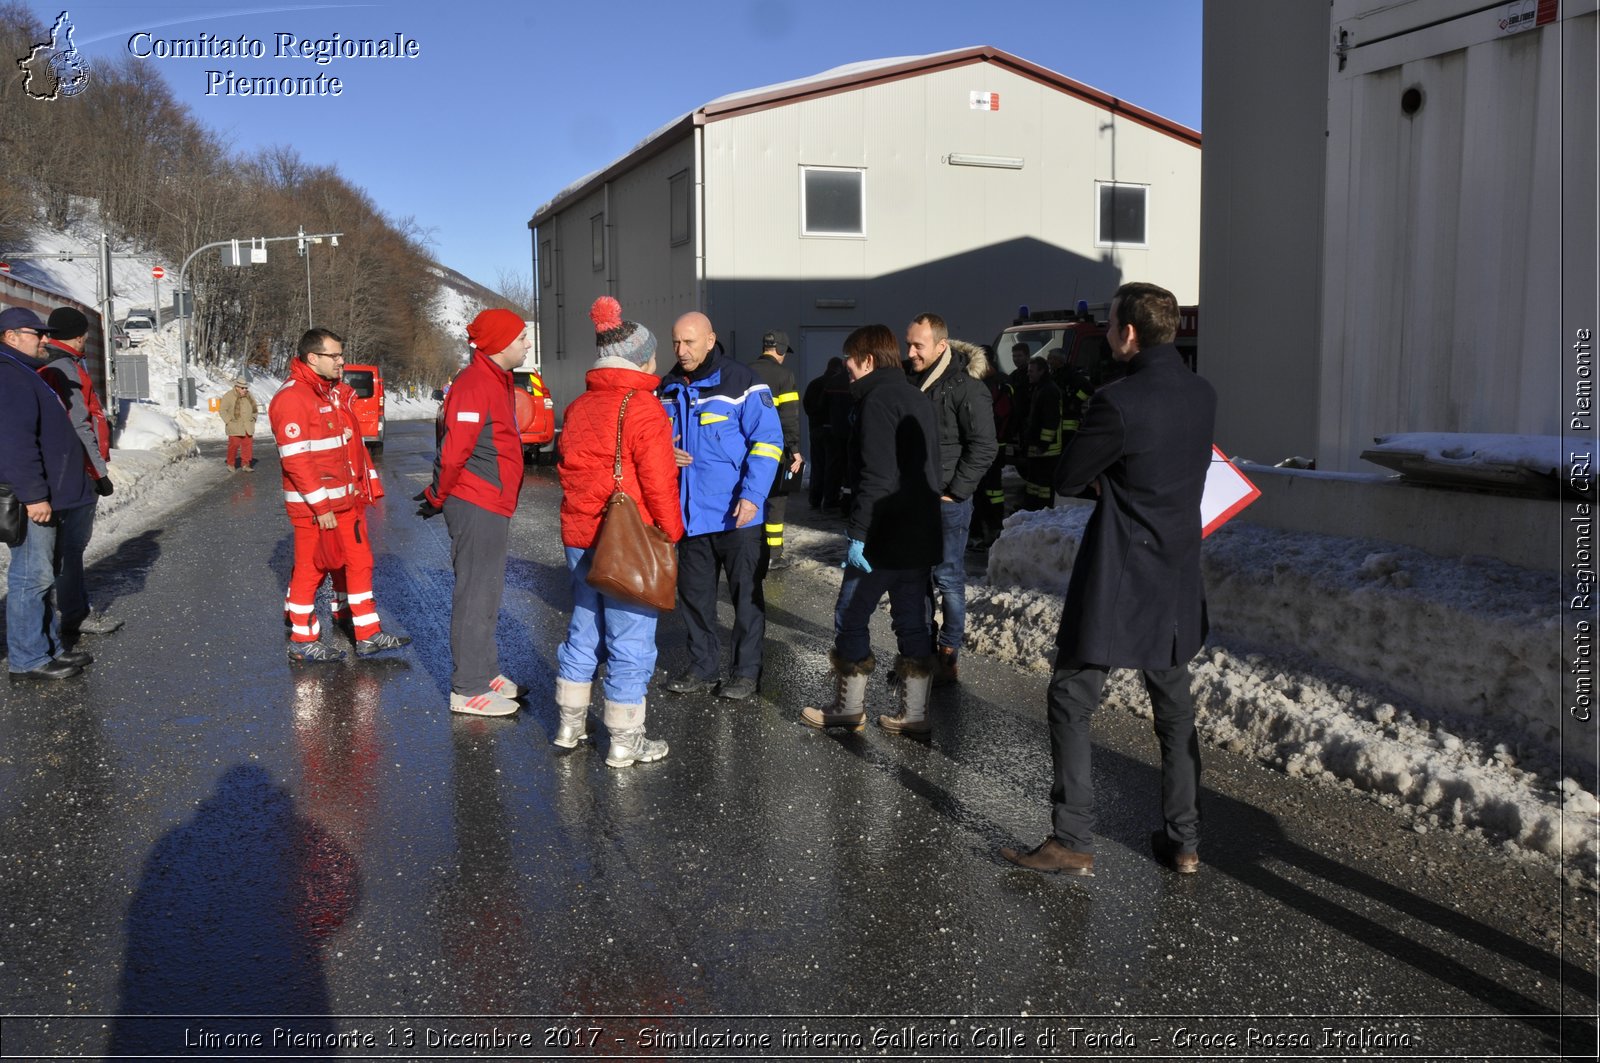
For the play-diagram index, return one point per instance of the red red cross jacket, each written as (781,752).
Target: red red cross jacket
(325,465)
(480,456)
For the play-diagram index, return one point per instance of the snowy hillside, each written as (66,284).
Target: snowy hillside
(79,279)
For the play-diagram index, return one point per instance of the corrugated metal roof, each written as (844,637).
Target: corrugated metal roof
(843,79)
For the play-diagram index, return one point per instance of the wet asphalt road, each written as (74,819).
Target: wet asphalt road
(199,828)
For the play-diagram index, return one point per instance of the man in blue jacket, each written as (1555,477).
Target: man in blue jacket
(41,458)
(728,443)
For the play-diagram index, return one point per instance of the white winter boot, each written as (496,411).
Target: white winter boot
(849,708)
(628,743)
(916,675)
(573,701)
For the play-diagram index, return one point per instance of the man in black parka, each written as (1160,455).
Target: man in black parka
(1135,599)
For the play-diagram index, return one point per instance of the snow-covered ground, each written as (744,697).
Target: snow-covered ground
(1432,684)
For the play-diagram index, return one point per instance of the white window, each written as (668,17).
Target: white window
(833,201)
(1121,215)
(597,241)
(678,201)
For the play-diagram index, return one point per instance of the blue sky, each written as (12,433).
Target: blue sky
(509,101)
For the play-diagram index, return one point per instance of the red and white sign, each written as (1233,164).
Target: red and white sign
(5,267)
(1227,492)
(985,101)
(157,272)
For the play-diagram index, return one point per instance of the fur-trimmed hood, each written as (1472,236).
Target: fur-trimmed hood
(976,361)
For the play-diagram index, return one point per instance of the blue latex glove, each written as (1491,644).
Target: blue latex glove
(857,557)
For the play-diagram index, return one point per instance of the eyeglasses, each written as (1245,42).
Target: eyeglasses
(29,332)
(325,354)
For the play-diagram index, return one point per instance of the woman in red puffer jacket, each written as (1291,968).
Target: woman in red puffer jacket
(625,369)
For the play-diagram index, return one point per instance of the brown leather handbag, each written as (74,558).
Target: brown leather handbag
(632,560)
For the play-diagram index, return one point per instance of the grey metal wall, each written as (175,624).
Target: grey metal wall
(1264,114)
(653,279)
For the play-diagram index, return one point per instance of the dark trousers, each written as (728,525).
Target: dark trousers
(1074,693)
(701,558)
(818,465)
(772,530)
(478,541)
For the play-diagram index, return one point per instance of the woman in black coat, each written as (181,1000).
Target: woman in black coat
(892,471)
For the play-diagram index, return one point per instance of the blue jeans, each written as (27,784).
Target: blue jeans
(33,636)
(950,575)
(73,528)
(628,631)
(859,595)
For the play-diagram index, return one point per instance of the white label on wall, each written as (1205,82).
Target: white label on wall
(985,101)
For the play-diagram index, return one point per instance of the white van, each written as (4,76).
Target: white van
(138,327)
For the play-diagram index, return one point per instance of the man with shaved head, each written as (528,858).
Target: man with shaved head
(728,443)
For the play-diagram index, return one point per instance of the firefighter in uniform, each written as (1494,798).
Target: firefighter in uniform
(328,481)
(786,397)
(1041,436)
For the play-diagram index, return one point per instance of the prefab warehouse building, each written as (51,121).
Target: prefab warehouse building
(963,183)
(1399,219)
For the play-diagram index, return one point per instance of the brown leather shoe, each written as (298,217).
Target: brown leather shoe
(1166,851)
(1051,855)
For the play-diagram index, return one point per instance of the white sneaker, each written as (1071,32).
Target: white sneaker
(505,687)
(486,704)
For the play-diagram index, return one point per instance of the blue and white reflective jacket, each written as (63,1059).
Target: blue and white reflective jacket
(723,415)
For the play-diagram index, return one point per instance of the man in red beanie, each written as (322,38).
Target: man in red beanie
(477,479)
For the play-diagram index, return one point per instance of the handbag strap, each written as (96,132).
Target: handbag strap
(616,468)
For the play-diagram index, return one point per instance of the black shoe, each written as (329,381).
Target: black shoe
(778,564)
(689,683)
(74,658)
(55,669)
(738,688)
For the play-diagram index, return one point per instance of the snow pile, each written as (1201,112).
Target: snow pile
(1539,453)
(146,428)
(1432,684)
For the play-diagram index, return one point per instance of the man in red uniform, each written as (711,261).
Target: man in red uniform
(476,482)
(328,482)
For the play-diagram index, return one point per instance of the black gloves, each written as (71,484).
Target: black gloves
(102,486)
(429,508)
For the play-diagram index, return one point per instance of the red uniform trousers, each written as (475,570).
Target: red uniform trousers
(240,446)
(352,584)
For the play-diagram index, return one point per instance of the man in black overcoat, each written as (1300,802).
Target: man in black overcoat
(1135,599)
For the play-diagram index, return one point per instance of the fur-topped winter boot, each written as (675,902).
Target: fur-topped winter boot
(849,708)
(916,675)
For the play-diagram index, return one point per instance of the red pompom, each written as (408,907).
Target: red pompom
(606,313)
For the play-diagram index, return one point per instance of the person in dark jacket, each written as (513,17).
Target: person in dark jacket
(837,402)
(786,397)
(1021,399)
(894,537)
(989,504)
(66,370)
(1135,599)
(601,435)
(41,460)
(815,404)
(951,375)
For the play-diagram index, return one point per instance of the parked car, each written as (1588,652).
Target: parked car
(139,327)
(536,415)
(366,380)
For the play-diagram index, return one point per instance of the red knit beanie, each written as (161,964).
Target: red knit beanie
(494,330)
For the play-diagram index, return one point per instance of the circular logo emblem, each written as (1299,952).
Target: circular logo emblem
(292,430)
